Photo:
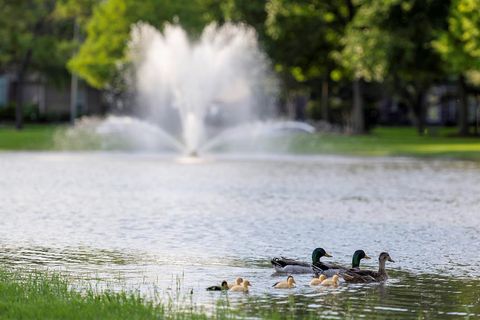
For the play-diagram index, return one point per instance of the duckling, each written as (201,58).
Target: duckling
(285,265)
(290,283)
(317,281)
(331,282)
(365,276)
(238,281)
(243,287)
(223,286)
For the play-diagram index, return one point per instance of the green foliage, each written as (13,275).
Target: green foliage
(107,36)
(391,40)
(459,46)
(366,44)
(80,10)
(33,26)
(304,34)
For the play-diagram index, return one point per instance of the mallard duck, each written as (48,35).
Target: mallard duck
(357,257)
(365,276)
(318,281)
(331,282)
(285,265)
(243,287)
(290,283)
(332,269)
(238,281)
(223,286)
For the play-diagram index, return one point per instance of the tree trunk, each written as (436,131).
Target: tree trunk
(324,102)
(477,115)
(420,112)
(74,82)
(22,72)
(462,119)
(358,119)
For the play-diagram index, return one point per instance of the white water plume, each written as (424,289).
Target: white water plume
(193,95)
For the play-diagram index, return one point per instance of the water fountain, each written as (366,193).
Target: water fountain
(192,96)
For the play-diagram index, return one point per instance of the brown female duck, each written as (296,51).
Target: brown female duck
(365,276)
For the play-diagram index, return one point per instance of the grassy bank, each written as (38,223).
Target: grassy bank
(383,141)
(49,296)
(42,295)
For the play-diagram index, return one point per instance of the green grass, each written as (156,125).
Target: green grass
(383,141)
(32,137)
(43,295)
(393,142)
(50,296)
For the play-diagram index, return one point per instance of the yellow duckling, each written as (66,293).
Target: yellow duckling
(318,281)
(238,282)
(290,283)
(332,282)
(243,287)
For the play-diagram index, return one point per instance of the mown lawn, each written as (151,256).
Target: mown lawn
(32,137)
(386,141)
(383,141)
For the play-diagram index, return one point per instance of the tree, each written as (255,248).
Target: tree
(32,39)
(390,42)
(303,35)
(459,47)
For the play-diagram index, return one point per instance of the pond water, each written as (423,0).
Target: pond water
(147,221)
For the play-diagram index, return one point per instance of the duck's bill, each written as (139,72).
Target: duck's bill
(328,255)
(367,257)
(391,260)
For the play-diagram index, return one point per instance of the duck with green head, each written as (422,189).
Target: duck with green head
(332,269)
(366,276)
(285,265)
(357,257)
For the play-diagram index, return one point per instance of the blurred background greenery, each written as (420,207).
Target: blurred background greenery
(353,63)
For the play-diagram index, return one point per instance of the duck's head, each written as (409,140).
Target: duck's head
(238,281)
(384,256)
(357,256)
(224,285)
(318,253)
(322,277)
(246,283)
(290,280)
(335,278)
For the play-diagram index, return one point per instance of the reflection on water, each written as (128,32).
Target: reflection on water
(139,221)
(406,296)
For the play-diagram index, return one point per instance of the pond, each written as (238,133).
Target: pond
(148,222)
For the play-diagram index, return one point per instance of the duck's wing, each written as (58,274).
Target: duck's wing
(334,266)
(327,266)
(283,262)
(359,276)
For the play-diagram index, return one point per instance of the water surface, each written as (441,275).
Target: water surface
(139,221)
